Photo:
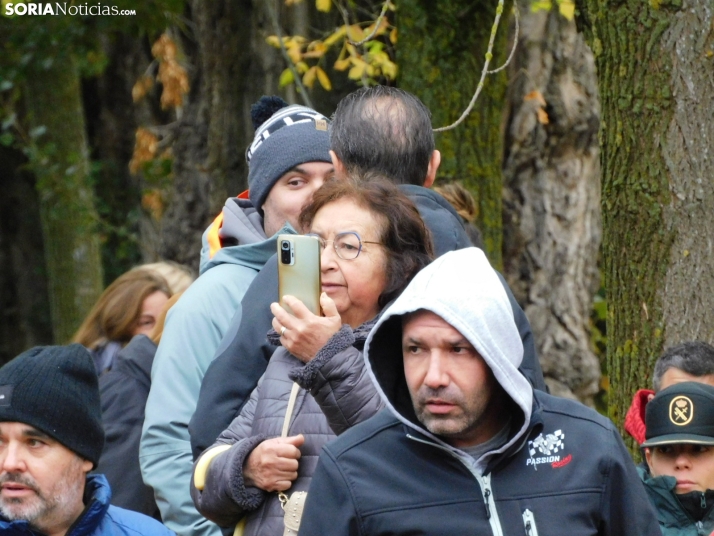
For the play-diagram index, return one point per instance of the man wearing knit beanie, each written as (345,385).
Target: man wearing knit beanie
(288,160)
(50,438)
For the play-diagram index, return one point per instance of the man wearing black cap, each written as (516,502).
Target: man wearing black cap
(50,438)
(679,448)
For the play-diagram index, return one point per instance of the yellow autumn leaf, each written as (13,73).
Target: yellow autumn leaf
(389,70)
(294,52)
(323,78)
(393,36)
(341,65)
(301,67)
(273,41)
(286,78)
(357,70)
(339,34)
(315,50)
(323,5)
(536,96)
(355,33)
(567,9)
(309,77)
(542,115)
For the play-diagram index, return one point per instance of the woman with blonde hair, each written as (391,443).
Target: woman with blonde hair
(129,306)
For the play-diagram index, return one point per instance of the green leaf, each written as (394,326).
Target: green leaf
(541,5)
(6,139)
(286,78)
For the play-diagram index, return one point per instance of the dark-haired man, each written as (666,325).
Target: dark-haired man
(51,436)
(380,130)
(464,444)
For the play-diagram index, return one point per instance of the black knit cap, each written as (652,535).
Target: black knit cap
(681,413)
(55,389)
(285,137)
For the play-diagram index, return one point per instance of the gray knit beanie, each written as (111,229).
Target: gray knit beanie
(55,389)
(285,137)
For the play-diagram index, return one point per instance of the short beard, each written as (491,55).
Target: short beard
(47,508)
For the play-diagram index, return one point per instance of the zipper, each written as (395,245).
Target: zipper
(484,483)
(529,523)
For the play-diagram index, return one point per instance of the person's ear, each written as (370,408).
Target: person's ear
(648,457)
(340,171)
(434,162)
(87,466)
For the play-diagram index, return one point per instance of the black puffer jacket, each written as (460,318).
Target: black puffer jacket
(124,390)
(334,402)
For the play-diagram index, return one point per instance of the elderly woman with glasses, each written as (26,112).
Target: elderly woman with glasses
(373,242)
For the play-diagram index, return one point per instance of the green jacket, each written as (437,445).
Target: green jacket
(673,519)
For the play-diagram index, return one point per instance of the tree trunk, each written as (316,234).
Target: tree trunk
(215,127)
(112,120)
(24,304)
(440,56)
(60,161)
(551,171)
(654,66)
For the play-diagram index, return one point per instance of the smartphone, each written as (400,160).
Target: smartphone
(299,270)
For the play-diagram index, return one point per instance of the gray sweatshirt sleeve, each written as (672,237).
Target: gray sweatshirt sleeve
(225,498)
(338,381)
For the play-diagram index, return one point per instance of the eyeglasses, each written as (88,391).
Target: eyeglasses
(347,245)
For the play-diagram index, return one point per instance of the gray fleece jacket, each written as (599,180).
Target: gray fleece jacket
(336,394)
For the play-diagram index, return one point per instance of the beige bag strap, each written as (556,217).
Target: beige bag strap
(289,411)
(286,425)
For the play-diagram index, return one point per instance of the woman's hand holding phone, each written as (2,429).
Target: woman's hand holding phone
(305,333)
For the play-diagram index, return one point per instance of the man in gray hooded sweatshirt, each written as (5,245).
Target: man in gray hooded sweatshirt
(464,444)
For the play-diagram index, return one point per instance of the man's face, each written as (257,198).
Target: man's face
(452,388)
(691,465)
(41,480)
(291,193)
(674,375)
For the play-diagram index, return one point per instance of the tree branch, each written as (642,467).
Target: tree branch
(291,65)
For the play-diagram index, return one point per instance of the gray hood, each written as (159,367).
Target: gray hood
(241,237)
(463,289)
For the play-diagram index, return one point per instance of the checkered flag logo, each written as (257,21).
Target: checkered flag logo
(548,445)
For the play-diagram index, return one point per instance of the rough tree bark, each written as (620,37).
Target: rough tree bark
(657,93)
(552,227)
(440,55)
(208,132)
(60,161)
